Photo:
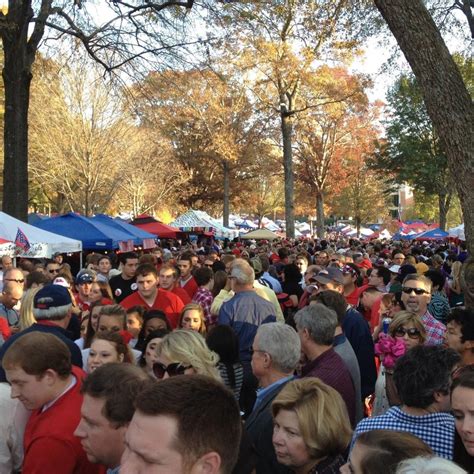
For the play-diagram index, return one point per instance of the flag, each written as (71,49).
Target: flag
(126,246)
(149,243)
(22,241)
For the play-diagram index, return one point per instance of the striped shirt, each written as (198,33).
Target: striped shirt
(238,375)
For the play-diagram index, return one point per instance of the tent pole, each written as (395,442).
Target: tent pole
(80,261)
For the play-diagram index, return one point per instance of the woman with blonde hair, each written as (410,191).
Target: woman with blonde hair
(406,330)
(429,465)
(408,327)
(311,427)
(192,317)
(185,352)
(27,318)
(456,295)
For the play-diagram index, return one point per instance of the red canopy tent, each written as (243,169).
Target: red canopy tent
(150,224)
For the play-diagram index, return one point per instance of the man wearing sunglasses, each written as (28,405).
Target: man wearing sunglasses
(416,295)
(52,269)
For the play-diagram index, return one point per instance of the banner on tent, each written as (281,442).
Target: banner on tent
(126,246)
(149,244)
(35,250)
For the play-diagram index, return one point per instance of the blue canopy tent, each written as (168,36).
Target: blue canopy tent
(408,236)
(35,217)
(433,234)
(139,236)
(94,234)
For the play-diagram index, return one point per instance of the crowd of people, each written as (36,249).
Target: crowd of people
(307,357)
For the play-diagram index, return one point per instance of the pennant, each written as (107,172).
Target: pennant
(22,241)
(126,246)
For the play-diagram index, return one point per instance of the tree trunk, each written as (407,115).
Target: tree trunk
(287,133)
(225,218)
(16,80)
(358,220)
(444,201)
(467,282)
(447,100)
(320,215)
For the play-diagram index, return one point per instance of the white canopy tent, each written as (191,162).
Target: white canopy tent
(43,244)
(457,232)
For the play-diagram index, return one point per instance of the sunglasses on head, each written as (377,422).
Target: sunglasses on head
(346,269)
(172,370)
(16,280)
(412,333)
(417,291)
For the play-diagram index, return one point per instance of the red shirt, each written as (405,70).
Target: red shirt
(181,294)
(190,287)
(83,305)
(353,298)
(165,301)
(5,331)
(50,445)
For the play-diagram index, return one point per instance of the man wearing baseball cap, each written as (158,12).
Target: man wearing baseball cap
(84,280)
(52,310)
(331,278)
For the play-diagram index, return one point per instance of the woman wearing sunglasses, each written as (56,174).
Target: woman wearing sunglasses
(185,352)
(406,327)
(149,357)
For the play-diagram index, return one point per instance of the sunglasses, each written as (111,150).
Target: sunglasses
(412,333)
(18,280)
(417,291)
(172,370)
(54,270)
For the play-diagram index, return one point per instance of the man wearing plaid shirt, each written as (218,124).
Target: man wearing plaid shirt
(204,277)
(422,377)
(416,295)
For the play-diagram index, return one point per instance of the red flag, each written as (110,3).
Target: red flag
(22,241)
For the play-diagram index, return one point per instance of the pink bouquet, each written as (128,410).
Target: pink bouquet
(389,349)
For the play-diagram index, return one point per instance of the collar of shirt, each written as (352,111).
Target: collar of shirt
(51,403)
(183,282)
(339,339)
(261,392)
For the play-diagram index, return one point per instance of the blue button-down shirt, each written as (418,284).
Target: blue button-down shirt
(263,391)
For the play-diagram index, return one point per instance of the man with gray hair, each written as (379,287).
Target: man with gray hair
(276,352)
(316,325)
(52,309)
(245,312)
(416,295)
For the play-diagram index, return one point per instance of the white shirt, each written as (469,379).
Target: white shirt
(13,418)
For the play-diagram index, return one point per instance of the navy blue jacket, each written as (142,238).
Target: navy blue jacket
(50,328)
(357,331)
